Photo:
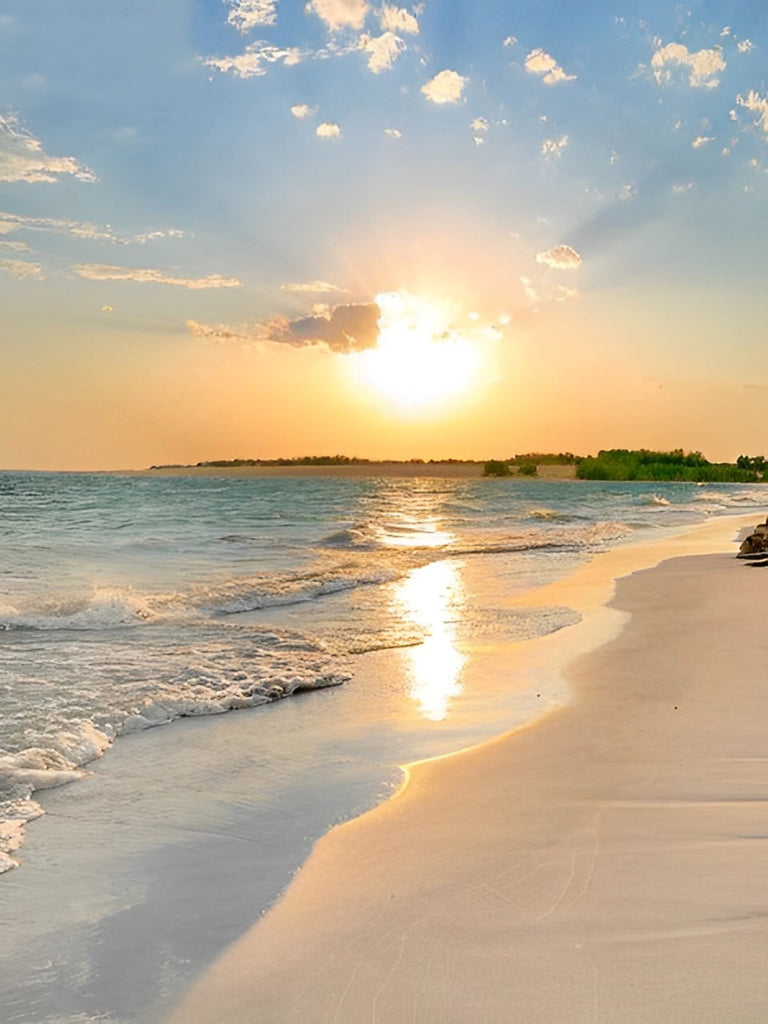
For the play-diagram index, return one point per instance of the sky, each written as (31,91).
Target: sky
(264,228)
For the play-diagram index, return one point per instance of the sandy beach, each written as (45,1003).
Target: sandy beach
(606,864)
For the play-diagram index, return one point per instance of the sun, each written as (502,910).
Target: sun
(421,360)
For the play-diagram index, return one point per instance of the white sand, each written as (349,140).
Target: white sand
(609,864)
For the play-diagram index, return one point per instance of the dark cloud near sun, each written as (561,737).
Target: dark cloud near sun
(347,328)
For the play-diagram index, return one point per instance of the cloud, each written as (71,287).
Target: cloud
(393,133)
(80,229)
(540,63)
(254,61)
(145,275)
(328,130)
(703,66)
(340,13)
(758,105)
(382,50)
(245,15)
(745,46)
(702,140)
(445,87)
(349,328)
(22,158)
(107,309)
(562,257)
(396,19)
(510,41)
(551,149)
(479,126)
(21,269)
(15,246)
(302,110)
(311,286)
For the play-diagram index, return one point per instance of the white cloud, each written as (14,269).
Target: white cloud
(445,87)
(551,149)
(22,158)
(758,104)
(562,257)
(703,66)
(510,41)
(302,110)
(702,140)
(393,133)
(253,62)
(145,275)
(745,46)
(349,328)
(382,50)
(328,130)
(540,63)
(80,229)
(13,246)
(628,191)
(340,13)
(21,269)
(107,309)
(310,286)
(245,15)
(397,19)
(682,188)
(479,126)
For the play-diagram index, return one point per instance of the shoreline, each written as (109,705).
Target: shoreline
(534,870)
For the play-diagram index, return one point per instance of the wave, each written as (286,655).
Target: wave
(58,757)
(112,608)
(655,500)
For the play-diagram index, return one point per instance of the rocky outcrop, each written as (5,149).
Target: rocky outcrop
(756,544)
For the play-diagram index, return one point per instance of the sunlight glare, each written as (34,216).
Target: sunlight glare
(421,359)
(431,597)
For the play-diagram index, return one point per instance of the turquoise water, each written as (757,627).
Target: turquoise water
(129,601)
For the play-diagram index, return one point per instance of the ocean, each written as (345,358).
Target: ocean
(130,601)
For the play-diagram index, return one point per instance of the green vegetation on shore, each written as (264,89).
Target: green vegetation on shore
(640,464)
(313,460)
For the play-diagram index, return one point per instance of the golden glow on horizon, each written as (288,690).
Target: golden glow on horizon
(420,360)
(432,597)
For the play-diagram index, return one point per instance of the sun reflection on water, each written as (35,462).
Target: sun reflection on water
(432,597)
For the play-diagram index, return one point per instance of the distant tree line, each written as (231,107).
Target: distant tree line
(677,465)
(639,464)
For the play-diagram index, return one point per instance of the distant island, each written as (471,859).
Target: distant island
(639,464)
(611,464)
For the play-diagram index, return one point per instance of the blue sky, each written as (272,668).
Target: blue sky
(190,190)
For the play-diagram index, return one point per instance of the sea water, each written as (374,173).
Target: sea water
(130,601)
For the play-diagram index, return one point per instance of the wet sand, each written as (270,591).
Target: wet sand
(606,864)
(434,470)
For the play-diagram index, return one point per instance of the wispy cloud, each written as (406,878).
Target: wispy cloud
(146,275)
(551,149)
(79,229)
(340,13)
(540,63)
(245,15)
(255,60)
(393,133)
(22,158)
(703,66)
(701,140)
(382,50)
(445,87)
(757,104)
(349,328)
(561,257)
(397,19)
(328,130)
(21,269)
(302,110)
(311,286)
